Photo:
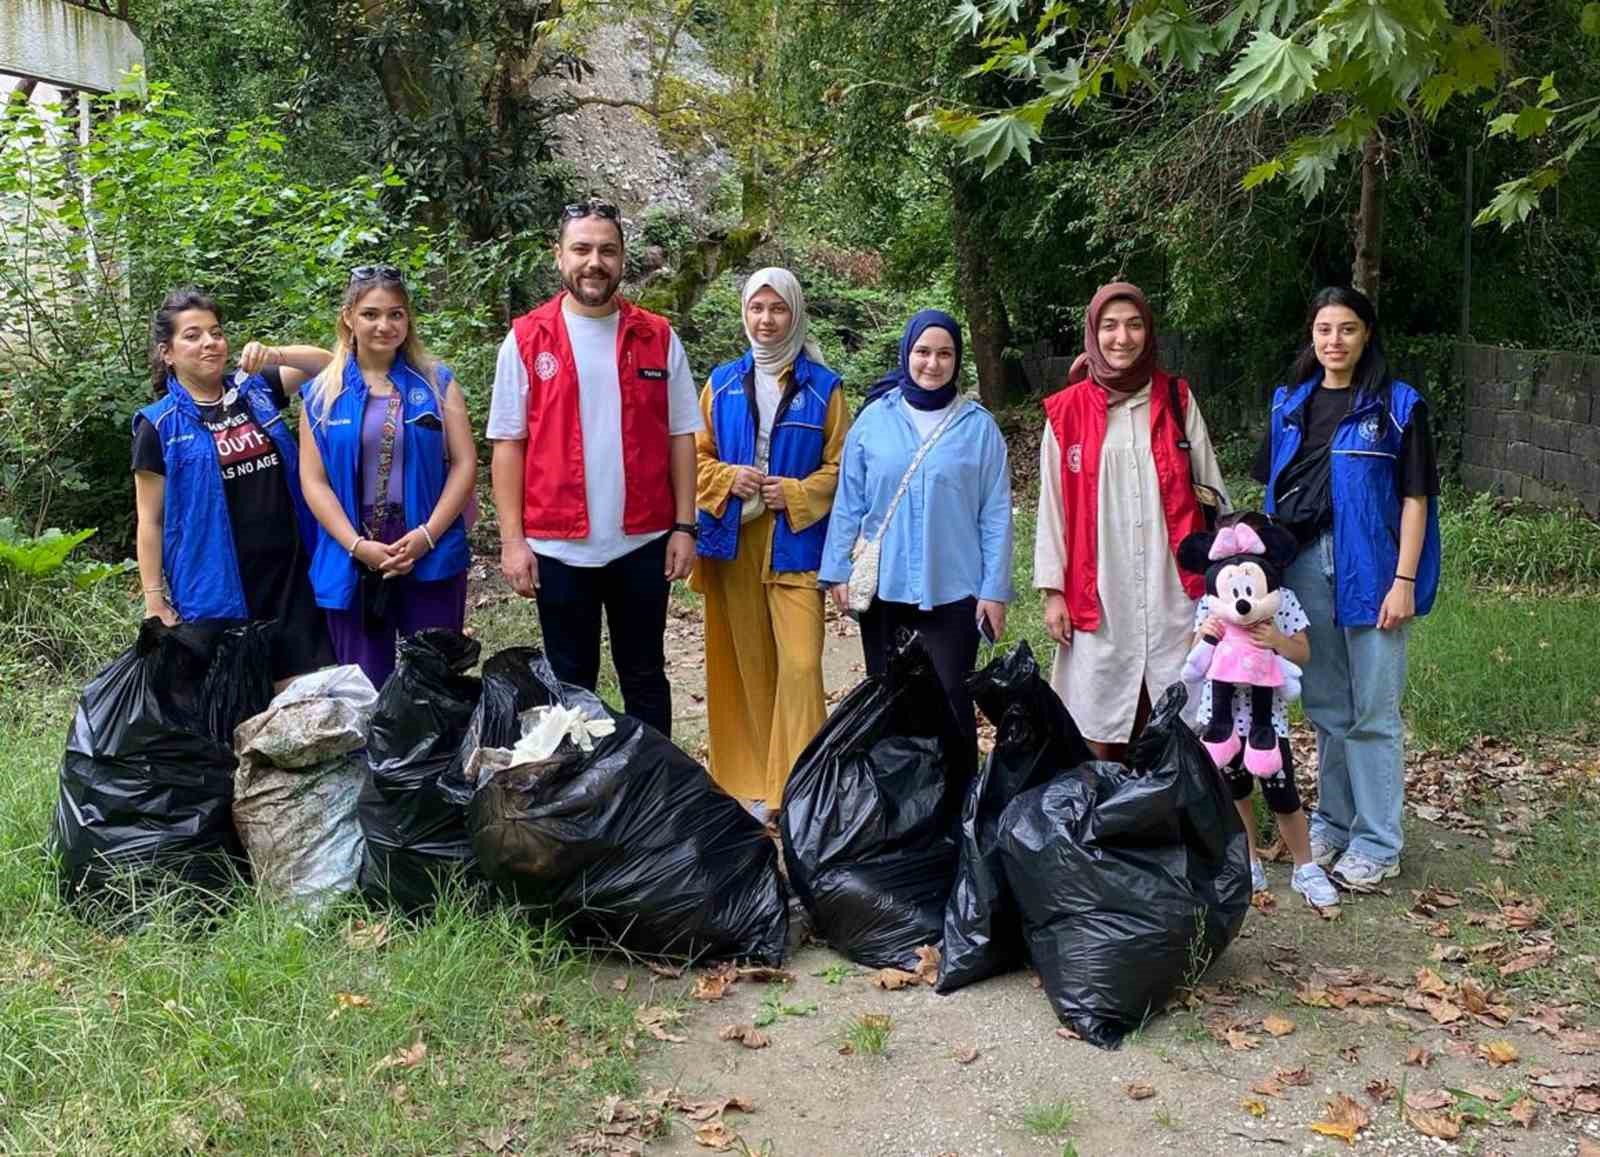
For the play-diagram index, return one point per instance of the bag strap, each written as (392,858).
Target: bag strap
(922,452)
(391,422)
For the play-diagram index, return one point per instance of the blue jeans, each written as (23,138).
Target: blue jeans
(1351,693)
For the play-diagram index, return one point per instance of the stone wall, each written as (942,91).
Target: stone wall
(1532,424)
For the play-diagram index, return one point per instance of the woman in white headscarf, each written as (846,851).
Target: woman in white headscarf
(775,421)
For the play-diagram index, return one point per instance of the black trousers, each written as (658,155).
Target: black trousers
(950,634)
(632,591)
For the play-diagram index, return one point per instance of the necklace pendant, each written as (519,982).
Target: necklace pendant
(230,395)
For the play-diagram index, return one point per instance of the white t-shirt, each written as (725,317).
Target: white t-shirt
(926,421)
(769,392)
(594,351)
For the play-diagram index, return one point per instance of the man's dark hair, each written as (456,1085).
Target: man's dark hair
(589,207)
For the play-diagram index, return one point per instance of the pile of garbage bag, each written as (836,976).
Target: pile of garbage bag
(1130,881)
(870,815)
(413,805)
(1035,740)
(302,763)
(146,787)
(598,820)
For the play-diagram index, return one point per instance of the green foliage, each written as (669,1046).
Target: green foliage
(1049,1119)
(80,274)
(773,1006)
(868,1034)
(1498,544)
(58,615)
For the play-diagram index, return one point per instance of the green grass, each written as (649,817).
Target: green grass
(229,1035)
(868,1034)
(1050,1119)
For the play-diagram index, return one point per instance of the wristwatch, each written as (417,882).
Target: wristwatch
(688,528)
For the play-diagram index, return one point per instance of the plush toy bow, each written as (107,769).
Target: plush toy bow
(1236,539)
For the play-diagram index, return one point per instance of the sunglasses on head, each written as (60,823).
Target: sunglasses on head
(377,273)
(591,208)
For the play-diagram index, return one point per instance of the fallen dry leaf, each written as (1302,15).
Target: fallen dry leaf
(667,971)
(1240,1041)
(1252,1106)
(364,937)
(1139,1090)
(1380,1090)
(893,979)
(1427,1100)
(1533,958)
(348,1000)
(746,1034)
(965,1055)
(1264,902)
(1433,1124)
(1524,1112)
(1420,1057)
(927,969)
(709,986)
(1498,1052)
(1277,1025)
(1267,1087)
(654,1020)
(620,984)
(494,1138)
(715,1135)
(1343,1118)
(1066,1033)
(1298,1077)
(1351,1054)
(706,1110)
(408,1057)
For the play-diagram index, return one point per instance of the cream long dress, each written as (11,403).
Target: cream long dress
(1146,620)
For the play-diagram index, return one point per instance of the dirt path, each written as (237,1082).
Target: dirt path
(919,1098)
(924,1098)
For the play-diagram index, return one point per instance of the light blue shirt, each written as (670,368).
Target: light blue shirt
(950,539)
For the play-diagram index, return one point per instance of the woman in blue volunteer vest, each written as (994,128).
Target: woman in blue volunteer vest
(1350,467)
(388,465)
(944,566)
(222,530)
(768,463)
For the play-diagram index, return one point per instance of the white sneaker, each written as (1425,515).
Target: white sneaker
(1362,874)
(1323,854)
(1313,884)
(1258,877)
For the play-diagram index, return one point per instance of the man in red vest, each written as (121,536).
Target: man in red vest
(593,421)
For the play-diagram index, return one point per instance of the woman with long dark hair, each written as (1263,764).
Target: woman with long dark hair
(223,532)
(1350,467)
(388,464)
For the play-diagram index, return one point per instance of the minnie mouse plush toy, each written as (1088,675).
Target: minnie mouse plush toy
(1243,565)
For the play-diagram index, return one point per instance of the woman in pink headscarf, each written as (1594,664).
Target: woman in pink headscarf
(1123,454)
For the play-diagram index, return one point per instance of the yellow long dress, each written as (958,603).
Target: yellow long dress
(763,631)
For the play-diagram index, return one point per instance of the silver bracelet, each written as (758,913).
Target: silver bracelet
(427,534)
(352,551)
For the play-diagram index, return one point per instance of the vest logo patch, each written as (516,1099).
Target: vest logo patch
(545,365)
(1075,457)
(418,396)
(653,375)
(1369,427)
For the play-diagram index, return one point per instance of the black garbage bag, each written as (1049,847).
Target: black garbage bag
(147,776)
(870,813)
(413,806)
(631,842)
(1035,740)
(1130,881)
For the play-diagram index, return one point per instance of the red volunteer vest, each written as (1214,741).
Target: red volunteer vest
(1077,414)
(554,502)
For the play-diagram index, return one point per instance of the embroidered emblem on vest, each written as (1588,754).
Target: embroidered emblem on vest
(545,365)
(1075,457)
(418,396)
(1369,427)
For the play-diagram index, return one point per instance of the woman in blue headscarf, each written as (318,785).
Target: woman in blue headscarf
(925,476)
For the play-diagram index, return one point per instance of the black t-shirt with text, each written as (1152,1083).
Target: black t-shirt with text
(266,536)
(1304,495)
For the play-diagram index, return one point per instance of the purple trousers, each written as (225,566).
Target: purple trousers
(413,606)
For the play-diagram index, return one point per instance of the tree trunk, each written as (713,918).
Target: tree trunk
(675,294)
(988,325)
(1369,220)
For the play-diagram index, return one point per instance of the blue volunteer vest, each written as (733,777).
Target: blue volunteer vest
(197,548)
(1365,485)
(334,574)
(798,439)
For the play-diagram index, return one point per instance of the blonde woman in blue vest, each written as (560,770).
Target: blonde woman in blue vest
(387,464)
(768,464)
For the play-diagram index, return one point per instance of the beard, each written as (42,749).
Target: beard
(587,295)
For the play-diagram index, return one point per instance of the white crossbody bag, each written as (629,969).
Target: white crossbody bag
(862,586)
